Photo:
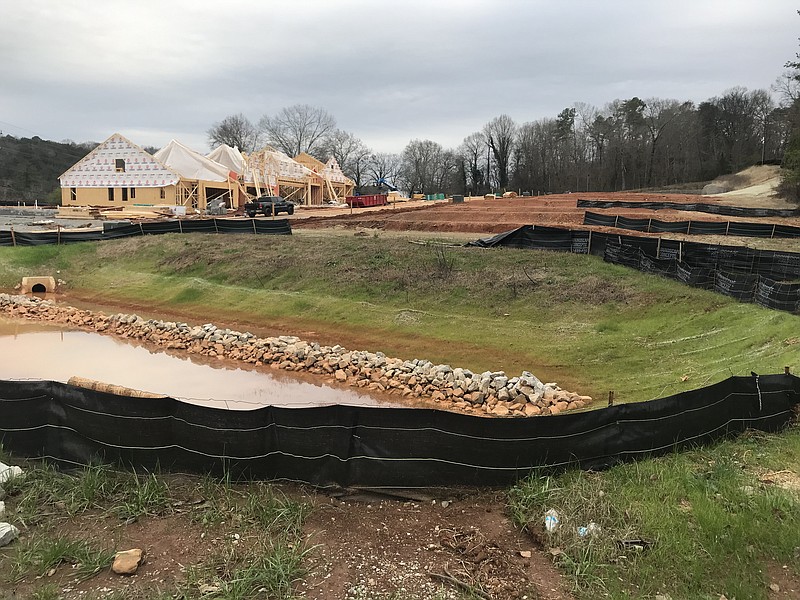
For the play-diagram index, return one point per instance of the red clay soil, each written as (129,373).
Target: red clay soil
(502,214)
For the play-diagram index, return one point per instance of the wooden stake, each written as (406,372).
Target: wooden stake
(58,228)
(611,398)
(13,239)
(787,370)
(216,229)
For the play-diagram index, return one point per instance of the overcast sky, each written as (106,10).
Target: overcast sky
(388,72)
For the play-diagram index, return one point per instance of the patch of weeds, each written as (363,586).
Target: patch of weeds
(271,509)
(39,554)
(46,592)
(141,495)
(579,500)
(269,570)
(70,493)
(92,486)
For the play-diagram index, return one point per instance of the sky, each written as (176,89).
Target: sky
(389,72)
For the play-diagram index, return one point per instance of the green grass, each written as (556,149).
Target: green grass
(269,569)
(590,326)
(267,564)
(39,554)
(714,527)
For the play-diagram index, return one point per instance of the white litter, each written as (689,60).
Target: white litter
(7,473)
(8,533)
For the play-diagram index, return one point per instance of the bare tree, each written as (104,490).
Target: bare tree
(658,114)
(350,152)
(427,167)
(236,131)
(500,133)
(298,128)
(788,87)
(473,150)
(386,166)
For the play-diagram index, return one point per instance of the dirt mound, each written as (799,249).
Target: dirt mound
(757,182)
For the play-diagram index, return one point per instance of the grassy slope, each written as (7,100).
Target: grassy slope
(586,324)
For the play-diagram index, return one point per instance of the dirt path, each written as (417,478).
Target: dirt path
(395,547)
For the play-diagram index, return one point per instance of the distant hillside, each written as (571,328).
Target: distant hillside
(29,167)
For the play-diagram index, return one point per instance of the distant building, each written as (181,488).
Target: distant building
(119,173)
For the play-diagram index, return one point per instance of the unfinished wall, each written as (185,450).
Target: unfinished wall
(100,196)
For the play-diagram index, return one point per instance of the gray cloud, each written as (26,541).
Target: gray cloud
(388,72)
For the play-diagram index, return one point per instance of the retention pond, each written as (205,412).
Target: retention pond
(30,350)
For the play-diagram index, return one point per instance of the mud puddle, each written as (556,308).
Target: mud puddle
(30,350)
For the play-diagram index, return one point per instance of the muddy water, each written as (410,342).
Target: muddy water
(30,350)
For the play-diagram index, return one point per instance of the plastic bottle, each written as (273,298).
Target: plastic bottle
(551,521)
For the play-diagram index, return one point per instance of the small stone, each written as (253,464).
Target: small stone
(340,375)
(127,562)
(531,410)
(775,587)
(501,410)
(525,553)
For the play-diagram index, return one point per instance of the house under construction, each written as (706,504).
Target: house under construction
(119,173)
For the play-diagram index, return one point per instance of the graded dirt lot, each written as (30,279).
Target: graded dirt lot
(753,187)
(479,215)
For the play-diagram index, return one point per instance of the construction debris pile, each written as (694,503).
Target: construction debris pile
(490,393)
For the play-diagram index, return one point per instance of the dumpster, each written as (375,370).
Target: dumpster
(370,200)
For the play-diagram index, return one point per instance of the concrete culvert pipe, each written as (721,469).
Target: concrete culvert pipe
(38,285)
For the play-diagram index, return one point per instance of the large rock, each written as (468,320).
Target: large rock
(127,562)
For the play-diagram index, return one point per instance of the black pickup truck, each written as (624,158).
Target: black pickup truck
(269,205)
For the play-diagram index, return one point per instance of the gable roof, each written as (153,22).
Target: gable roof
(309,161)
(333,172)
(190,164)
(269,163)
(99,167)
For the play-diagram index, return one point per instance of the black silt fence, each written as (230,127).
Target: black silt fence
(770,278)
(348,446)
(737,228)
(240,226)
(716,209)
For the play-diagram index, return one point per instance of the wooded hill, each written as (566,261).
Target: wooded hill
(29,167)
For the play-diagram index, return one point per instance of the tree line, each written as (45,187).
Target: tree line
(627,144)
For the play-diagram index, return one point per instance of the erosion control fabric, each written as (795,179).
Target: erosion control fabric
(255,226)
(716,209)
(764,230)
(349,446)
(767,277)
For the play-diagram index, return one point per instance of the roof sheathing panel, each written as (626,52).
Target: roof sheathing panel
(99,169)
